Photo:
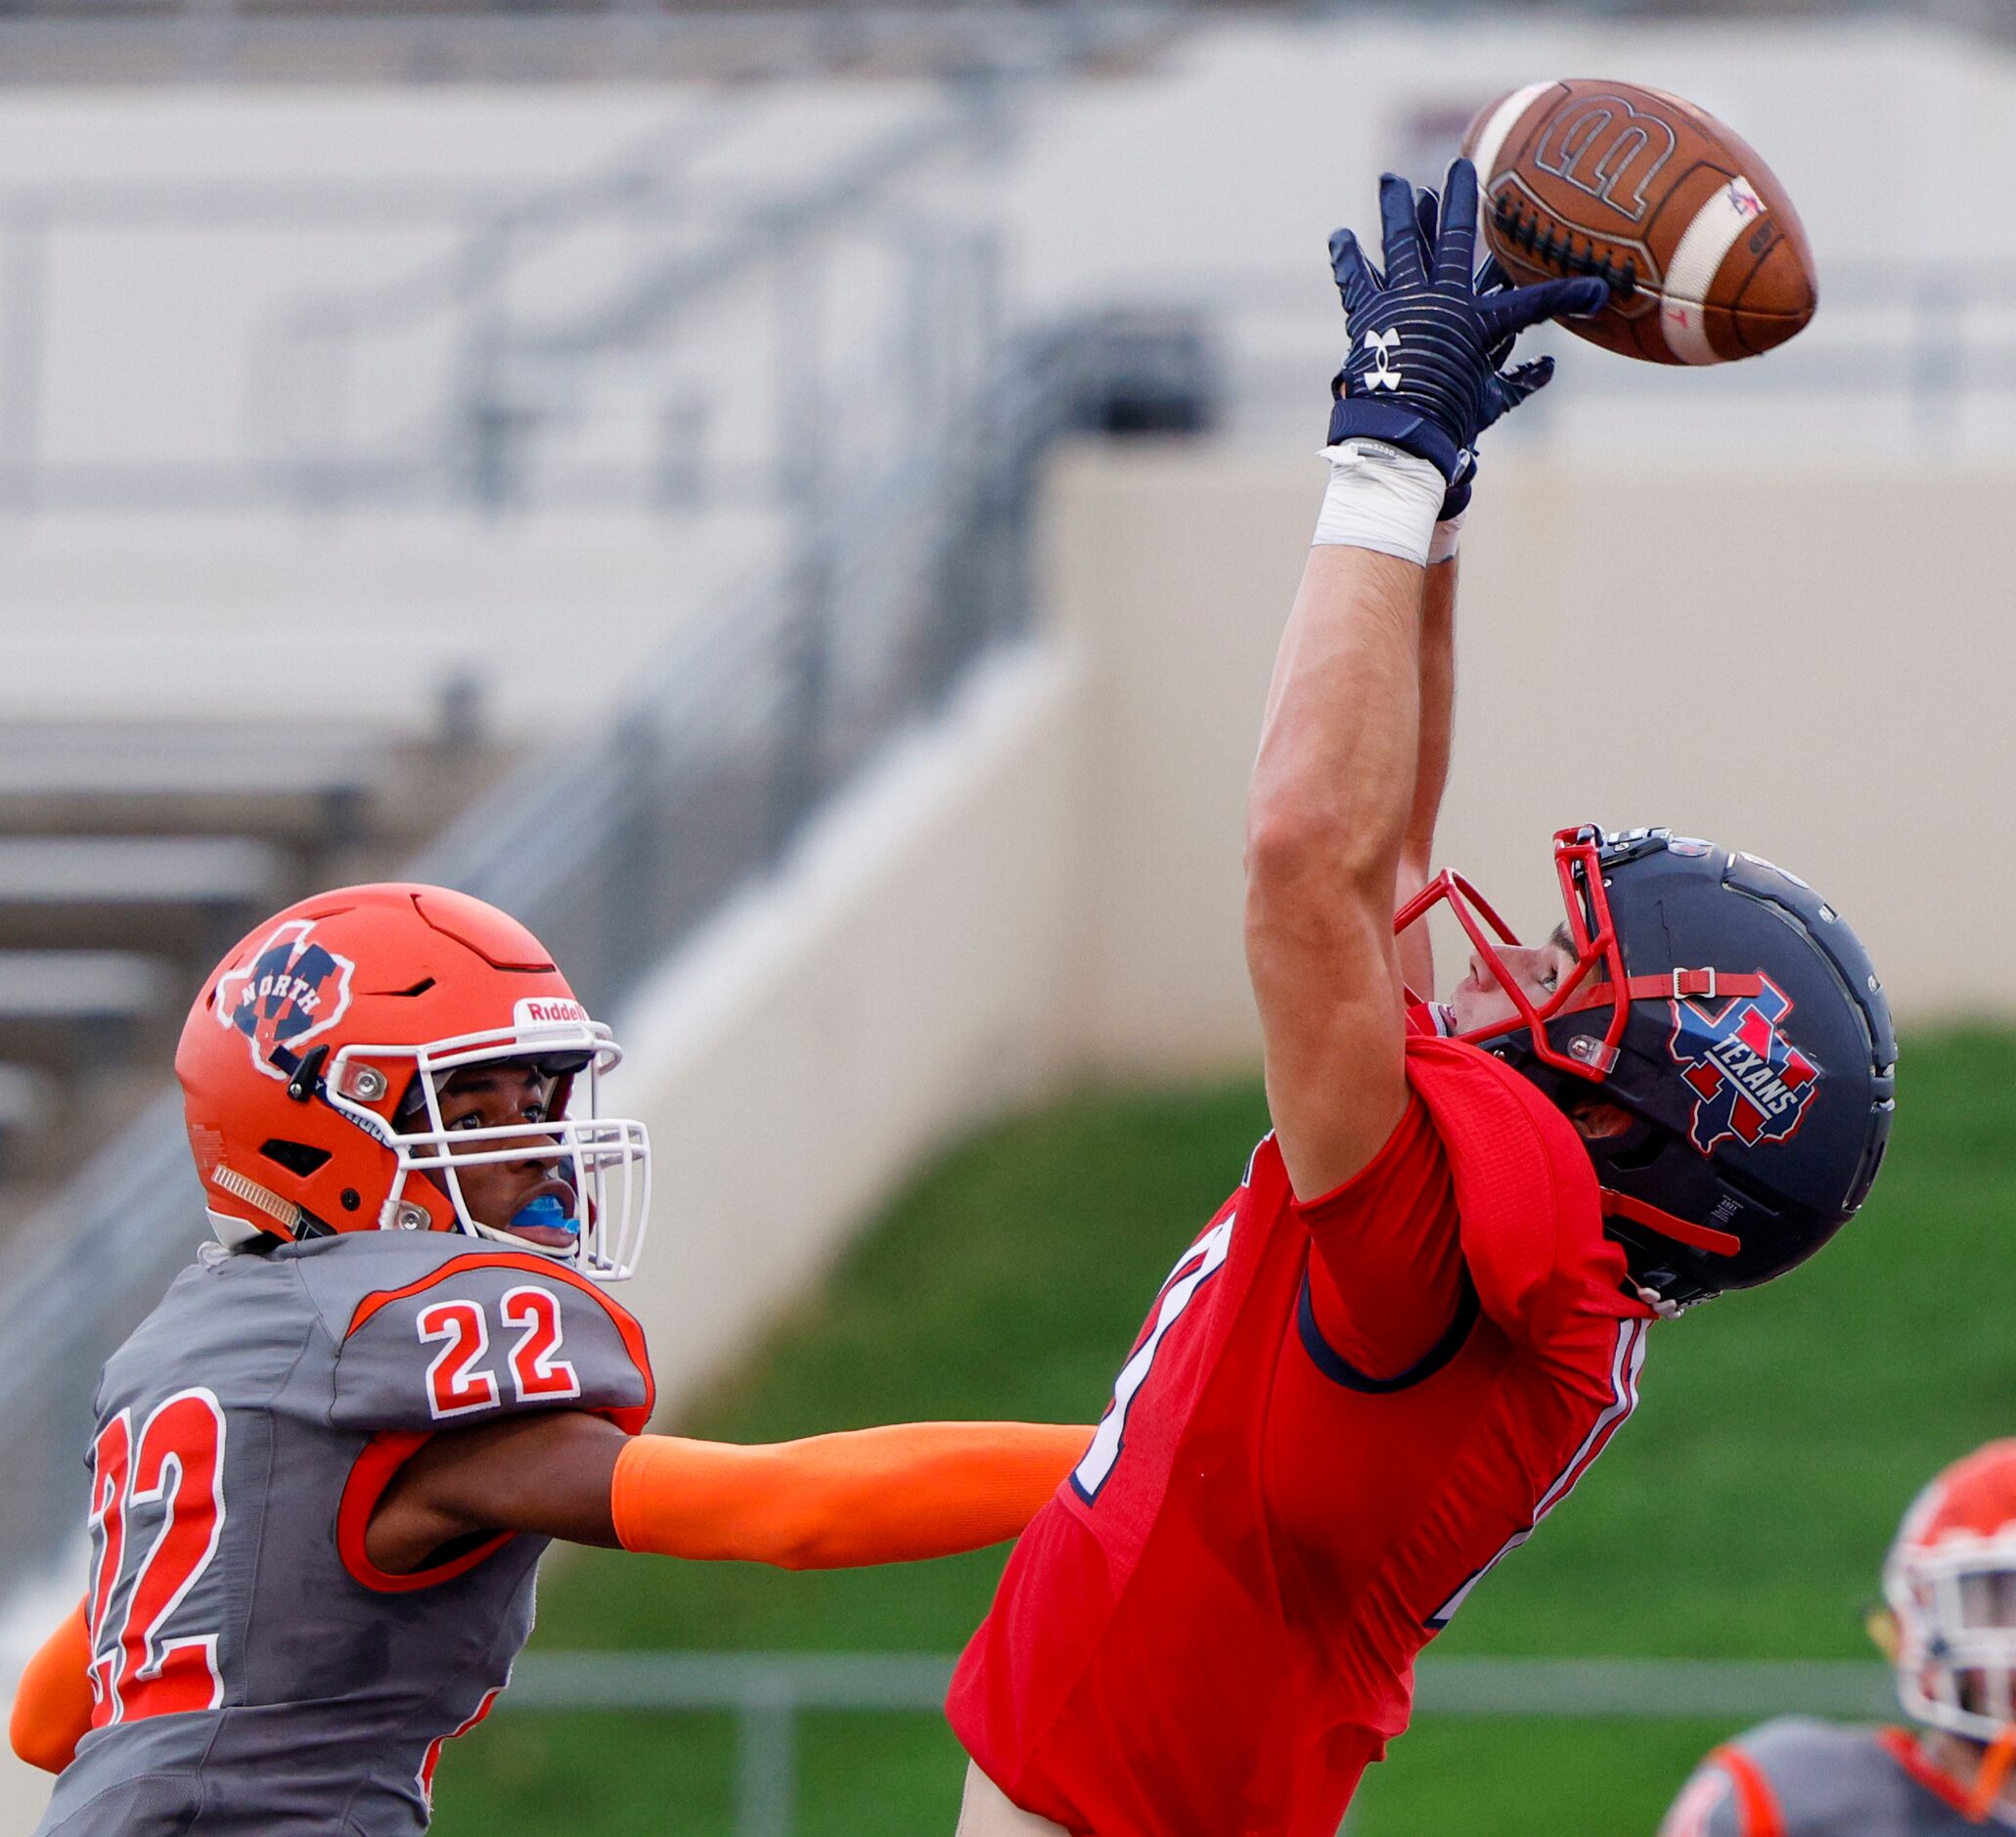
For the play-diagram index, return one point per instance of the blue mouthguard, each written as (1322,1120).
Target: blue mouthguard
(544,1210)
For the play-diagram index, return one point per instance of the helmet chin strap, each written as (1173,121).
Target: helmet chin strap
(1667,1225)
(1666,1310)
(1992,1775)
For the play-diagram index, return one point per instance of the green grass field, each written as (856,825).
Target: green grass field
(1742,1513)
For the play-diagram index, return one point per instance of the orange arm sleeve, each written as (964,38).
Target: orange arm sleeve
(890,1494)
(52,1709)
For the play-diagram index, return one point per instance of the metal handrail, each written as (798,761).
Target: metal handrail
(495,382)
(1640,1688)
(767,1692)
(212,39)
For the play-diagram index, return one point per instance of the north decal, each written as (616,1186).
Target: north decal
(293,989)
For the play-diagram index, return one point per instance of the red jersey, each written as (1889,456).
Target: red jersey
(1338,1417)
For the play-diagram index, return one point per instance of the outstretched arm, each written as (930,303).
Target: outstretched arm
(1431,767)
(1343,784)
(888,1494)
(52,1705)
(1325,816)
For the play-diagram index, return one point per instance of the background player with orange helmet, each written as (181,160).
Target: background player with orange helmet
(1422,1315)
(1948,1624)
(326,1464)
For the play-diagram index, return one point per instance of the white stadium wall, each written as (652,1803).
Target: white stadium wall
(1813,665)
(898,979)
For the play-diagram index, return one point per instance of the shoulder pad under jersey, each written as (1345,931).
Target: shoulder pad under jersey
(1529,1208)
(433,1331)
(1797,1777)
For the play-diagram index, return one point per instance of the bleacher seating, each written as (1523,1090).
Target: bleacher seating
(184,893)
(94,779)
(131,855)
(250,660)
(74,1011)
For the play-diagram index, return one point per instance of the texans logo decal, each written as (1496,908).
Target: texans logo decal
(1749,1081)
(294,990)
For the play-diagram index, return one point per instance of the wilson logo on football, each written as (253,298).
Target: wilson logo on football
(1609,150)
(1749,1080)
(294,990)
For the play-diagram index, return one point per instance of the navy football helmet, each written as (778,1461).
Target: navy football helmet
(1732,1012)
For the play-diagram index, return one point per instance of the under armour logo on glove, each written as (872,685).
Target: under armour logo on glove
(1382,344)
(1457,326)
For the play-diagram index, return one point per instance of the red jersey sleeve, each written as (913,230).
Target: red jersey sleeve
(1531,1221)
(1386,1298)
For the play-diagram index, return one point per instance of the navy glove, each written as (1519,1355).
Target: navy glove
(1490,279)
(1428,337)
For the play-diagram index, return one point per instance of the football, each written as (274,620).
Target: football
(1706,259)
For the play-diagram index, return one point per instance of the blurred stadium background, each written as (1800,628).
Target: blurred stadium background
(796,506)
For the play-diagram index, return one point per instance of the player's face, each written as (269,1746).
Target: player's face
(1987,1605)
(503,1096)
(1480,1001)
(1988,1599)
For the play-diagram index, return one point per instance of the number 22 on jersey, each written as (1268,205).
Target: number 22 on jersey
(1193,1269)
(460,1380)
(175,1464)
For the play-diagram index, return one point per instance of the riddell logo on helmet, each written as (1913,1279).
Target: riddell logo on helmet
(1749,1080)
(294,989)
(549,1014)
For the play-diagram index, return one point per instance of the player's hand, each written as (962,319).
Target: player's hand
(1429,337)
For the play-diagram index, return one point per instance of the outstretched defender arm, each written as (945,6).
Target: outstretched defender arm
(890,1494)
(52,1704)
(897,1494)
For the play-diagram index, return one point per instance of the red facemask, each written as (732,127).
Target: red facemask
(1596,980)
(1594,938)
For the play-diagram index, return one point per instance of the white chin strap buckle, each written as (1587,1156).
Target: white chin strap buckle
(1658,1303)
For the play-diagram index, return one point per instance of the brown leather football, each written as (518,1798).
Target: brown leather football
(1706,259)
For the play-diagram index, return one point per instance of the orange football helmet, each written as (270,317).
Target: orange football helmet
(1951,1583)
(312,1060)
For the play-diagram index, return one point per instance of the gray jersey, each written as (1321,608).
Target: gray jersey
(1798,1777)
(253,1671)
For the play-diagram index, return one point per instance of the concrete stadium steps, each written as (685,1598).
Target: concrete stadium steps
(186,894)
(70,1012)
(103,778)
(330,633)
(316,791)
(132,854)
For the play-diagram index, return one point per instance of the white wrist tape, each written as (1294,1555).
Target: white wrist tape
(1380,498)
(1449,536)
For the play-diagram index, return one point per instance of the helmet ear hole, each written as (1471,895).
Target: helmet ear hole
(299,1158)
(1641,1154)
